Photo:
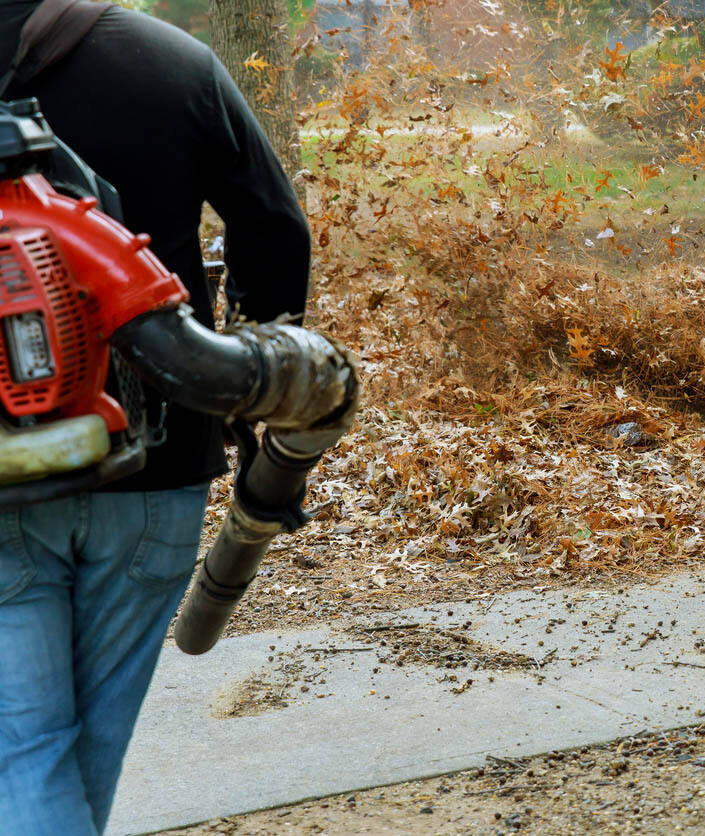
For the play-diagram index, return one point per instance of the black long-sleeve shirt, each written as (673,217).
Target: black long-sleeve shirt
(155,113)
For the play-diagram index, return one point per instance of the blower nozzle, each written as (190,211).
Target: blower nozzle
(267,497)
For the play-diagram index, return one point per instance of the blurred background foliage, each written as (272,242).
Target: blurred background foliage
(192,15)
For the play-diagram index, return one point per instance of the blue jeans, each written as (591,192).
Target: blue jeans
(88,586)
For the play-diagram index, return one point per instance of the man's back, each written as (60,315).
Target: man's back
(152,111)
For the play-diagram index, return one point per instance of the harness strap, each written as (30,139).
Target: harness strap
(53,29)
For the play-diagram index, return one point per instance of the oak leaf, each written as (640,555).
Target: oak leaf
(256,63)
(580,348)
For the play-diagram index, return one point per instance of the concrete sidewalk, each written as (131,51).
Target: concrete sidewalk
(592,666)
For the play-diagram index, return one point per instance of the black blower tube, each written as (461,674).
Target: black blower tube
(266,499)
(303,385)
(191,364)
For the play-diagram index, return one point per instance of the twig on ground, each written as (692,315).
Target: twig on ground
(376,628)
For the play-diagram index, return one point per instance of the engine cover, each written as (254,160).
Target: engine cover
(69,277)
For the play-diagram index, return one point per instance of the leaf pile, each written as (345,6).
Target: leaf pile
(513,253)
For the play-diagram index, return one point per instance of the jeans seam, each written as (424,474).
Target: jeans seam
(17,537)
(13,529)
(151,519)
(84,522)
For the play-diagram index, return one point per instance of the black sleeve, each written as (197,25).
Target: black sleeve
(267,241)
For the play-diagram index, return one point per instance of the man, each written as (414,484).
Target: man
(88,584)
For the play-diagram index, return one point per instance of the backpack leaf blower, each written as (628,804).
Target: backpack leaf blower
(79,295)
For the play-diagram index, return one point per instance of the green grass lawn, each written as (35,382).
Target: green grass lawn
(422,165)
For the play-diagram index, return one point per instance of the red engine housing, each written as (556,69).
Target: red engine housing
(86,275)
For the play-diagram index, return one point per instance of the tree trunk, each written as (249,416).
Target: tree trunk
(367,23)
(239,28)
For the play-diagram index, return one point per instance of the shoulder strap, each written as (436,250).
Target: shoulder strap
(51,32)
